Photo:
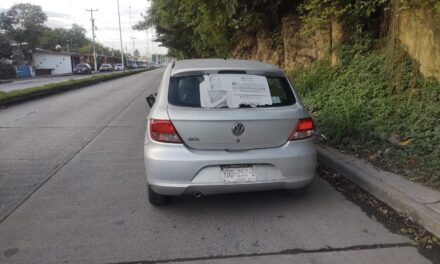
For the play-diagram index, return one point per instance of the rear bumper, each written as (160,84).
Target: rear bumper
(173,169)
(210,189)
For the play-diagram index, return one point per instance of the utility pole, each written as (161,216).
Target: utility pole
(93,35)
(155,47)
(120,38)
(126,52)
(148,38)
(132,38)
(148,48)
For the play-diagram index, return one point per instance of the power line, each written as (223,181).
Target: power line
(93,35)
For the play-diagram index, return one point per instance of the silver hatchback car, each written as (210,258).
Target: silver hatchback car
(219,126)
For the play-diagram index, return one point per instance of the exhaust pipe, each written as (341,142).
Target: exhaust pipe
(198,194)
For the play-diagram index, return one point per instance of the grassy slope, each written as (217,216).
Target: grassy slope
(70,84)
(360,107)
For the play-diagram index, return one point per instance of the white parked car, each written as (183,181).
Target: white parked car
(219,126)
(106,68)
(119,67)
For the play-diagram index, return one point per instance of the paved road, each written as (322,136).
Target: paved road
(81,154)
(38,81)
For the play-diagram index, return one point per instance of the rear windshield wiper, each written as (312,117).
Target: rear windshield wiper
(253,106)
(244,106)
(247,106)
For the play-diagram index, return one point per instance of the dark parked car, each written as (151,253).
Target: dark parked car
(106,68)
(133,65)
(82,68)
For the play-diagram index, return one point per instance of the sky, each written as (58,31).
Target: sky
(63,13)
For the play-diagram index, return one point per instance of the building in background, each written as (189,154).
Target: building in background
(51,63)
(45,62)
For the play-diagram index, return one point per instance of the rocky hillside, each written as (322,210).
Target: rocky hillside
(415,29)
(291,49)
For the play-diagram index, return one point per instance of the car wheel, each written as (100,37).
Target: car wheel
(155,198)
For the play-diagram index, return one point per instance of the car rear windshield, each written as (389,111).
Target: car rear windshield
(230,91)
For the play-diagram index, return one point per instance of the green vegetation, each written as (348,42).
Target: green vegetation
(379,108)
(192,28)
(24,25)
(62,39)
(6,97)
(7,71)
(374,102)
(357,15)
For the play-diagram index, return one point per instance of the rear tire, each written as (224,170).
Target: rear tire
(155,198)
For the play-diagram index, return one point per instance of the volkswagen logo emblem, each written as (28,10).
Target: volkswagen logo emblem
(238,129)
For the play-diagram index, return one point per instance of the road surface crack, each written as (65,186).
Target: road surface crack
(275,253)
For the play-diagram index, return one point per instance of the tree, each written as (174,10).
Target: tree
(23,24)
(51,38)
(172,32)
(5,47)
(136,54)
(194,28)
(77,37)
(70,40)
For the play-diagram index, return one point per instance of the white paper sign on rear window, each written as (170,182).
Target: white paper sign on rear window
(233,90)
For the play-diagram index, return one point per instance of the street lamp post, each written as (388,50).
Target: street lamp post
(93,36)
(120,37)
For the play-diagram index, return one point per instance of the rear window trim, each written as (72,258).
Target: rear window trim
(196,73)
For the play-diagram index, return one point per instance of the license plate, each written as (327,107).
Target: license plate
(238,173)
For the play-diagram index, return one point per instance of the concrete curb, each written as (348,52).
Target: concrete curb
(417,202)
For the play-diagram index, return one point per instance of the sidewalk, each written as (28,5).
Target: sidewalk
(417,202)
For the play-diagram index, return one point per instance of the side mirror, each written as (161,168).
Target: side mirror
(151,99)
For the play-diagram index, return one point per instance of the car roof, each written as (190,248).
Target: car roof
(213,65)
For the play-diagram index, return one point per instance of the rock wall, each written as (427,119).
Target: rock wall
(418,30)
(289,48)
(261,47)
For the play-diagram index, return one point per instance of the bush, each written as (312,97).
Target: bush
(7,71)
(360,107)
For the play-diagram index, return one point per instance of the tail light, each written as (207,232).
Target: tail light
(304,128)
(163,131)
